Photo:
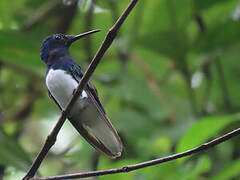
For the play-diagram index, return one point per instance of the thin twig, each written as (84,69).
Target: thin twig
(151,80)
(200,22)
(2,167)
(2,171)
(191,94)
(121,54)
(183,67)
(88,25)
(94,162)
(40,14)
(133,167)
(101,51)
(223,84)
(25,109)
(206,69)
(22,70)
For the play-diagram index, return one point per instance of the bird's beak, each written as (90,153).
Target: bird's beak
(71,38)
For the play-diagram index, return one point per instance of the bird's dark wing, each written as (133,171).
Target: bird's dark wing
(93,124)
(77,75)
(94,93)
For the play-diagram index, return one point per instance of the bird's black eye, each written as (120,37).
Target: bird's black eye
(57,37)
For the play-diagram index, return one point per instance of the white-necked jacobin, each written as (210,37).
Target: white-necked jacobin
(87,115)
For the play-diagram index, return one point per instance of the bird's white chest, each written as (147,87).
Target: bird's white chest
(61,86)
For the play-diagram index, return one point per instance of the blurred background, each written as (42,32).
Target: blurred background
(169,82)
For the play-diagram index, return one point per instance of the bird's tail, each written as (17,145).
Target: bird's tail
(96,128)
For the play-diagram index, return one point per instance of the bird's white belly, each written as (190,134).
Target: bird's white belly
(61,86)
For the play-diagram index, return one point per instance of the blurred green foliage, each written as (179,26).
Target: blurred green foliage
(169,82)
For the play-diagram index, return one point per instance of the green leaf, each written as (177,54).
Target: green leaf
(216,39)
(203,165)
(20,49)
(231,171)
(203,4)
(174,44)
(202,130)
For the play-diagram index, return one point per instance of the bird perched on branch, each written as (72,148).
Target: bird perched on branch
(87,114)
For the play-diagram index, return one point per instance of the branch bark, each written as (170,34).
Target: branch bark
(223,84)
(112,33)
(133,167)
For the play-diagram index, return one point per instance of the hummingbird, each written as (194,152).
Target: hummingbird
(87,114)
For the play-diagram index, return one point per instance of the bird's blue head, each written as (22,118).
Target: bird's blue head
(59,42)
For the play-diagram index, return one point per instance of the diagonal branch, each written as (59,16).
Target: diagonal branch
(112,33)
(133,167)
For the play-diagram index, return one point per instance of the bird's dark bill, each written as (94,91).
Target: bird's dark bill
(79,36)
